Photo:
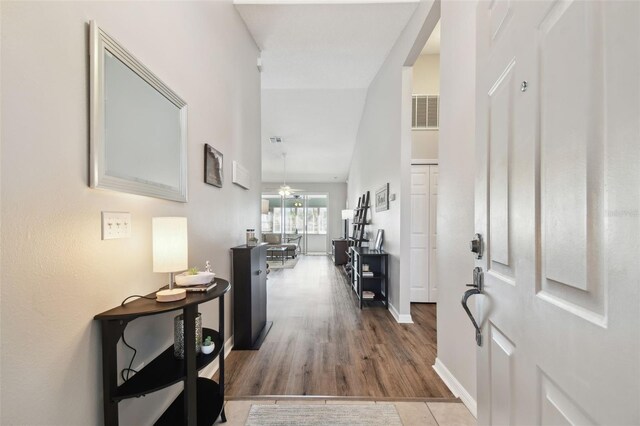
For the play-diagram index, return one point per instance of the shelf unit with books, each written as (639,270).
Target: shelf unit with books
(371,278)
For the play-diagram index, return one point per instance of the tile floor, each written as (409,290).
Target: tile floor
(411,413)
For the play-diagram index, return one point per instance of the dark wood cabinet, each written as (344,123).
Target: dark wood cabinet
(250,325)
(201,401)
(339,248)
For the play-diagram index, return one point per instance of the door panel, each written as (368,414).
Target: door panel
(502,355)
(557,200)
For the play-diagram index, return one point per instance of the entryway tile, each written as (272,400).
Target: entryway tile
(413,413)
(451,414)
(237,412)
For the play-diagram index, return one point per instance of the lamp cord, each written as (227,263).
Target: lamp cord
(129,369)
(136,295)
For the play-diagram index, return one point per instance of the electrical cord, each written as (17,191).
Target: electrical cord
(136,295)
(128,370)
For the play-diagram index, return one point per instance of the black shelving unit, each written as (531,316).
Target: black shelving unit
(201,401)
(378,262)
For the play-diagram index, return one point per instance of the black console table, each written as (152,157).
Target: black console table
(201,401)
(376,280)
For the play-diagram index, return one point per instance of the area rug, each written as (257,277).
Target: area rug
(312,415)
(288,264)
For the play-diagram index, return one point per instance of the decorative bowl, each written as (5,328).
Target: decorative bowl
(200,278)
(207,349)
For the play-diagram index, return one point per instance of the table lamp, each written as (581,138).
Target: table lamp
(346,215)
(170,253)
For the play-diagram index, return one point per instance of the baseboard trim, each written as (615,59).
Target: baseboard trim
(212,368)
(456,387)
(400,319)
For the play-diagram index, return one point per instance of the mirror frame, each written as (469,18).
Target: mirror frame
(99,42)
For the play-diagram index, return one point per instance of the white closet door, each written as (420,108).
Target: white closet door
(423,225)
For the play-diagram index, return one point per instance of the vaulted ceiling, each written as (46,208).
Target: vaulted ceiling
(317,63)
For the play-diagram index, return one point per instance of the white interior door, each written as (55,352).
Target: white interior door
(420,233)
(424,192)
(557,200)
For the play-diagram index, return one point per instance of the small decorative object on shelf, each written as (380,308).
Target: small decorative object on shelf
(207,346)
(379,239)
(194,277)
(252,241)
(178,335)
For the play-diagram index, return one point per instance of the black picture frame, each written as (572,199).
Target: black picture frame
(382,198)
(213,166)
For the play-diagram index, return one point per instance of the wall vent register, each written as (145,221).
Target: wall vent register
(425,112)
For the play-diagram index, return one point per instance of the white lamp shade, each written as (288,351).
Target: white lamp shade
(347,214)
(265,206)
(170,245)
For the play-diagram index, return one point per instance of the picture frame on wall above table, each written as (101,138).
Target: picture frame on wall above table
(213,163)
(382,198)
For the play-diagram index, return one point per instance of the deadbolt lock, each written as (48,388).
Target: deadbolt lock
(477,246)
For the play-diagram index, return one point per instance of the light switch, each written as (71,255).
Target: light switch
(116,225)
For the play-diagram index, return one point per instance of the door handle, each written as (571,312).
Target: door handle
(478,284)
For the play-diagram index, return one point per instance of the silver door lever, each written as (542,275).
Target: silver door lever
(478,282)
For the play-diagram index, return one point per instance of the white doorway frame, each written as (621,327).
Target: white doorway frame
(406,161)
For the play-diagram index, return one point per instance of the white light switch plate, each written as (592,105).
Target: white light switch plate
(116,225)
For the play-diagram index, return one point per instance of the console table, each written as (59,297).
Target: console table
(374,280)
(201,401)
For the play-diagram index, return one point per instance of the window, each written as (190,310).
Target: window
(317,220)
(425,112)
(296,217)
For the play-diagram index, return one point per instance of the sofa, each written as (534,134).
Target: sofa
(291,241)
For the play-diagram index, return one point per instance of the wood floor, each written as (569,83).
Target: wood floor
(322,344)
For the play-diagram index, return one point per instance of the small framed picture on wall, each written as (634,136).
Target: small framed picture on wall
(212,166)
(382,198)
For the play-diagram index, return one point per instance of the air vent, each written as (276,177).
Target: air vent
(425,112)
(275,139)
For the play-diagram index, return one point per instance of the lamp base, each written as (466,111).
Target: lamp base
(171,295)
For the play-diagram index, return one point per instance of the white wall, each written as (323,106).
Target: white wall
(337,193)
(426,81)
(382,154)
(56,272)
(456,338)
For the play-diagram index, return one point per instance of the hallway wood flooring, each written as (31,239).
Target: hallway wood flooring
(322,344)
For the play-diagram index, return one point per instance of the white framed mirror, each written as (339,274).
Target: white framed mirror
(138,136)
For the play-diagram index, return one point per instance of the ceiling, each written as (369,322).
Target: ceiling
(317,63)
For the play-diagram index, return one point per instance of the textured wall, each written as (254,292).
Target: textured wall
(56,271)
(456,180)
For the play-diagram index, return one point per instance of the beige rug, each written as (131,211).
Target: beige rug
(322,415)
(288,264)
